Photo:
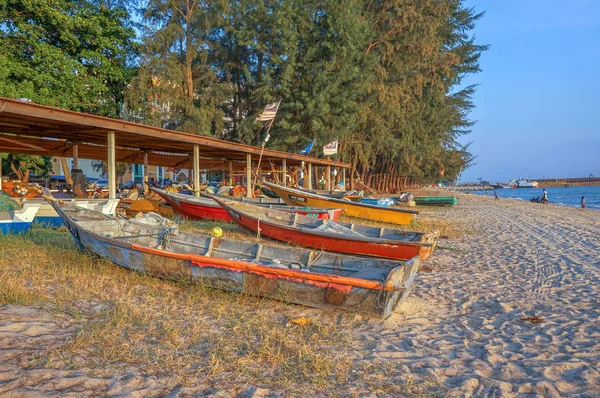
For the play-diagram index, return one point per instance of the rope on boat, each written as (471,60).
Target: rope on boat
(258,229)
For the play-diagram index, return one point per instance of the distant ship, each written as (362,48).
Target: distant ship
(523,183)
(500,185)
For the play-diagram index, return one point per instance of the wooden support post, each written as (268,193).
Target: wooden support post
(75,156)
(112,166)
(344,179)
(310,176)
(328,179)
(284,168)
(196,170)
(231,173)
(249,187)
(0,175)
(146,173)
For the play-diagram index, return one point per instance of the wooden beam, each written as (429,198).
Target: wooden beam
(310,176)
(249,187)
(112,166)
(197,170)
(145,173)
(75,157)
(17,142)
(284,169)
(231,173)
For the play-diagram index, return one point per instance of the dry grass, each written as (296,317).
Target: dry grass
(185,334)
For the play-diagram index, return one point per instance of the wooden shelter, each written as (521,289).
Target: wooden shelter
(28,128)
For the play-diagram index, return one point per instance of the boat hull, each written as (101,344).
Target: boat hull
(332,292)
(436,200)
(18,221)
(47,216)
(341,244)
(368,212)
(195,208)
(194,211)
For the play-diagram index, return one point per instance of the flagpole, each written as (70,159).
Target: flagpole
(262,149)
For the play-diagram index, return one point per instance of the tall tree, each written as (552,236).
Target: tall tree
(70,54)
(176,86)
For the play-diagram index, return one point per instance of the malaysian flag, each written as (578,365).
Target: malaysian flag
(269,113)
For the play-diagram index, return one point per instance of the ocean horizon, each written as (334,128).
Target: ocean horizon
(568,196)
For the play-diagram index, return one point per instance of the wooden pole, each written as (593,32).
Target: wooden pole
(249,187)
(284,168)
(310,176)
(146,173)
(230,172)
(344,179)
(196,170)
(328,179)
(112,166)
(75,156)
(0,174)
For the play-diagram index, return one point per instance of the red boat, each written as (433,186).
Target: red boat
(330,235)
(194,208)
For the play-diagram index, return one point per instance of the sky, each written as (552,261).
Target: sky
(538,102)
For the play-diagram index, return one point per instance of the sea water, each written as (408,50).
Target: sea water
(570,196)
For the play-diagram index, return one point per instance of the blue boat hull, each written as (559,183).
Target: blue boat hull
(14,227)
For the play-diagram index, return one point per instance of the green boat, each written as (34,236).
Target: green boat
(436,200)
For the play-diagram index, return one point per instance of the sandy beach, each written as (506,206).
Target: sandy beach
(465,330)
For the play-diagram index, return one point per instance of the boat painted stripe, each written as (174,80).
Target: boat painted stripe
(326,285)
(244,266)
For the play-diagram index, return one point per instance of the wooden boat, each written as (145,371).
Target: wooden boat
(47,217)
(265,201)
(193,207)
(331,235)
(18,221)
(153,245)
(436,200)
(295,197)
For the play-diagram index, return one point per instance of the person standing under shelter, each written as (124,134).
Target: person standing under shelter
(583,202)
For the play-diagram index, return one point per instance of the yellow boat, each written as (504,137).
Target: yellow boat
(295,197)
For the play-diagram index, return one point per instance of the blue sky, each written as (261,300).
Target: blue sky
(538,103)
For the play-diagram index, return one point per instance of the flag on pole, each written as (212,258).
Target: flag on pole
(331,148)
(308,148)
(269,113)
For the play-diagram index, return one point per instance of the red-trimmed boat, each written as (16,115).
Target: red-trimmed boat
(153,245)
(330,235)
(193,207)
(205,207)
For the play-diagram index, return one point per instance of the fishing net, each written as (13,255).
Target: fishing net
(7,203)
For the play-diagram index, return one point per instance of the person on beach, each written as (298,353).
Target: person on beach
(545,197)
(495,195)
(583,202)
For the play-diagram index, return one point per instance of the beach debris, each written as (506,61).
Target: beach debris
(302,321)
(532,319)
